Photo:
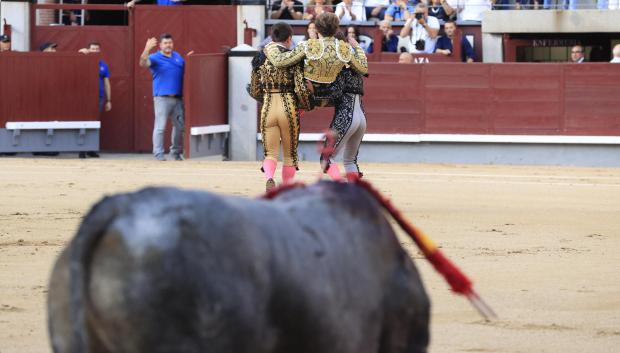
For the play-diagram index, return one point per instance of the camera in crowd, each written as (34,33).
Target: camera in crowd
(419,15)
(420,44)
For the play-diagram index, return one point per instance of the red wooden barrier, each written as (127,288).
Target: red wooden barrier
(213,30)
(48,86)
(548,99)
(206,91)
(128,127)
(116,51)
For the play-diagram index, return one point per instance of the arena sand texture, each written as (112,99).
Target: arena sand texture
(542,244)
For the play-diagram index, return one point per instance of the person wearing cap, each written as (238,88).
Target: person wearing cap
(48,47)
(5,43)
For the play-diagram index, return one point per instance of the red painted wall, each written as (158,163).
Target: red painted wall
(116,50)
(48,86)
(203,29)
(549,99)
(128,127)
(206,91)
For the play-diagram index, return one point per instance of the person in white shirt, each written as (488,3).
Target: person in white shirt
(616,52)
(422,29)
(349,10)
(473,10)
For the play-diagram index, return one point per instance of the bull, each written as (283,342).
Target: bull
(316,269)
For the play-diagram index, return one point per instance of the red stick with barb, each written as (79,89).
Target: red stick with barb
(457,280)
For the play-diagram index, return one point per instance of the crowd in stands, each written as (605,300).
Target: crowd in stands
(401,10)
(420,32)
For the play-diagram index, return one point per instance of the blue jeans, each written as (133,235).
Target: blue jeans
(555,4)
(168,107)
(573,4)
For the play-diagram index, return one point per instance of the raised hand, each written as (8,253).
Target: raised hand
(353,42)
(150,44)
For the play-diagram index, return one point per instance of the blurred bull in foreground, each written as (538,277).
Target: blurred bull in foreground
(316,270)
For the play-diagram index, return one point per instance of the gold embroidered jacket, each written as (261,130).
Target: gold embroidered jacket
(266,79)
(324,58)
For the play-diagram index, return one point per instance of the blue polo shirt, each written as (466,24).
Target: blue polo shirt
(466,50)
(104,72)
(167,74)
(168,3)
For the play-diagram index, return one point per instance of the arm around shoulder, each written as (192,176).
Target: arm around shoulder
(359,62)
(284,59)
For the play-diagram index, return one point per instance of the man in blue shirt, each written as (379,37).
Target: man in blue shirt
(105,90)
(444,44)
(132,3)
(167,67)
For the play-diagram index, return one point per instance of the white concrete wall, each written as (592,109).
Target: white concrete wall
(18,16)
(493,48)
(551,21)
(242,109)
(255,16)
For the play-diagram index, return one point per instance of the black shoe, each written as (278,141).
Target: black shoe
(92,154)
(82,155)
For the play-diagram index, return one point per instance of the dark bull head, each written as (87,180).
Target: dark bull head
(317,269)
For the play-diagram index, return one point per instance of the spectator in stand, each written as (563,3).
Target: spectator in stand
(167,67)
(48,47)
(616,54)
(527,4)
(577,54)
(287,10)
(353,32)
(5,43)
(311,32)
(317,7)
(473,10)
(422,30)
(389,40)
(376,8)
(441,9)
(445,44)
(105,90)
(399,11)
(405,58)
(349,10)
(554,4)
(132,3)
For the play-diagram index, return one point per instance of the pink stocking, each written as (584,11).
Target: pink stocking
(334,172)
(288,173)
(269,167)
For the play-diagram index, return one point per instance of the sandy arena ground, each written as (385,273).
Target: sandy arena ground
(541,243)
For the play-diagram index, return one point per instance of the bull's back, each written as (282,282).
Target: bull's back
(192,272)
(344,268)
